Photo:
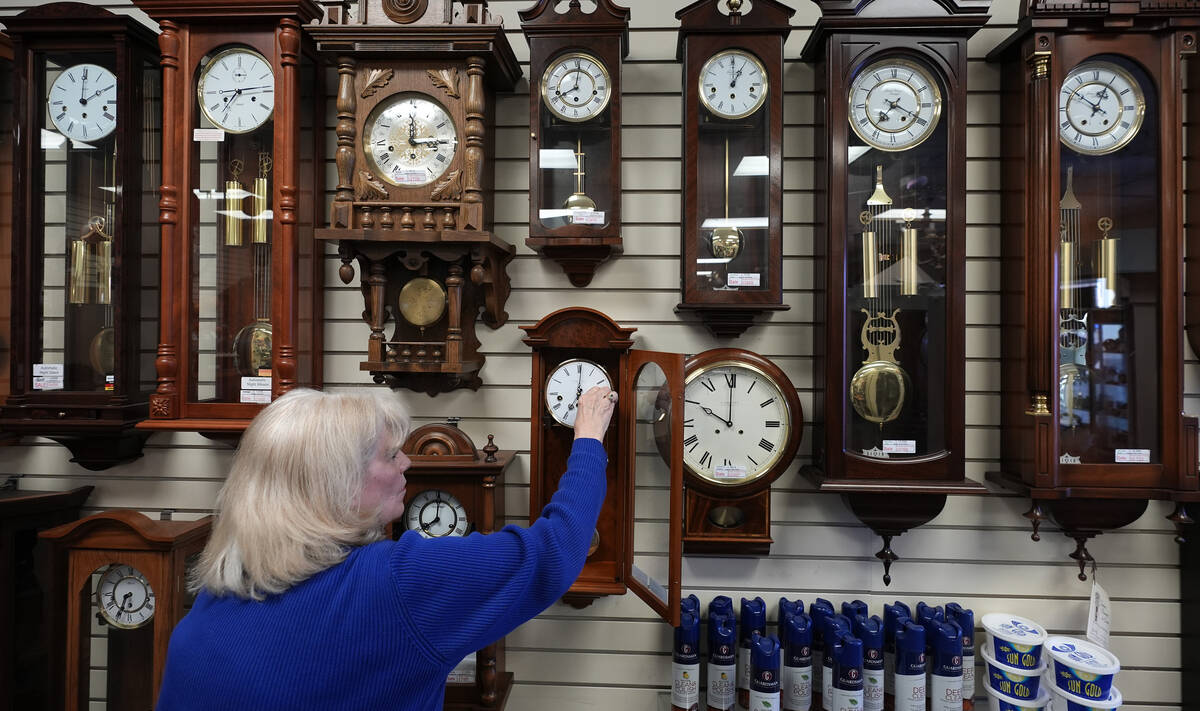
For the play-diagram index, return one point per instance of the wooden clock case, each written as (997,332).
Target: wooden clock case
(1085,499)
(7,118)
(887,495)
(604,33)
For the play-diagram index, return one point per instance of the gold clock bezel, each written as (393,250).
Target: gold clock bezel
(399,98)
(762,69)
(417,299)
(204,72)
(567,56)
(936,110)
(555,369)
(104,611)
(1139,93)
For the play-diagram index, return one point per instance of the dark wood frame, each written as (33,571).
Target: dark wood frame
(703,31)
(98,426)
(603,33)
(190,29)
(1084,499)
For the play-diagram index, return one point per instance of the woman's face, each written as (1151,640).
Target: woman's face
(383,490)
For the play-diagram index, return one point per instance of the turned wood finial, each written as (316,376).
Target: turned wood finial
(1180,518)
(490,449)
(1035,516)
(1082,556)
(888,556)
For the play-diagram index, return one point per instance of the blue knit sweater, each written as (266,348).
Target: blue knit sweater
(383,628)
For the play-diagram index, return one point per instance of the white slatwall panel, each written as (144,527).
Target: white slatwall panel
(615,654)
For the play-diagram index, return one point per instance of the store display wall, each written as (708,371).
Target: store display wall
(615,653)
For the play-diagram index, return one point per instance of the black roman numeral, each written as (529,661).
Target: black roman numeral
(766,402)
(708,384)
(772,423)
(766,445)
(731,380)
(705,459)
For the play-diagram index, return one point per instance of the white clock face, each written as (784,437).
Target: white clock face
(1100,108)
(576,87)
(733,84)
(410,140)
(436,514)
(567,382)
(83,102)
(237,90)
(894,104)
(124,597)
(736,423)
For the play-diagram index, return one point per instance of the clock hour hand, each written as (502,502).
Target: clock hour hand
(125,601)
(708,411)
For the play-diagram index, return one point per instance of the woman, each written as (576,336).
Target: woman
(303,605)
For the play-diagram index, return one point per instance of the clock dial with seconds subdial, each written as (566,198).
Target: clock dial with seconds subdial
(894,104)
(733,84)
(1100,108)
(125,597)
(567,382)
(436,514)
(237,90)
(410,140)
(736,423)
(83,102)
(576,87)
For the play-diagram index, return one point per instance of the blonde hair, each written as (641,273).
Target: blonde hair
(289,507)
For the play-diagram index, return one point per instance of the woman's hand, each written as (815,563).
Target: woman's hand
(595,410)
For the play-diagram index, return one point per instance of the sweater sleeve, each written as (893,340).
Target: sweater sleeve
(461,594)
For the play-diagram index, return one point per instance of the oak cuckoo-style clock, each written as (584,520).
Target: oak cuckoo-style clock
(891,206)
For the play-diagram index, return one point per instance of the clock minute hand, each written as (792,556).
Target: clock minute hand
(708,411)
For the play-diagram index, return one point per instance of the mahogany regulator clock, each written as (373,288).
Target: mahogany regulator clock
(891,136)
(575,132)
(89,112)
(1092,310)
(732,242)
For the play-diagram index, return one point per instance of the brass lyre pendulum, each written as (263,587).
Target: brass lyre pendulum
(234,194)
(261,199)
(726,240)
(578,200)
(1072,321)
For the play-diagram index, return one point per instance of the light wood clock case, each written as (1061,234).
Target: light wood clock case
(891,105)
(133,569)
(1093,231)
(575,132)
(732,241)
(455,489)
(88,110)
(413,201)
(575,349)
(240,290)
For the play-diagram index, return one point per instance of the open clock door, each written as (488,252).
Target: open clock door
(655,397)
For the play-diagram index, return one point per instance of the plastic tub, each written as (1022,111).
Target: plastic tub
(1068,702)
(1082,669)
(1004,702)
(1021,684)
(1014,640)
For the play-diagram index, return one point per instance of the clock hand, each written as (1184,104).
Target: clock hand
(730,420)
(83,87)
(229,104)
(125,601)
(245,89)
(707,411)
(1095,106)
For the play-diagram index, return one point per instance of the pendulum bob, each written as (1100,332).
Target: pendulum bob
(100,351)
(80,268)
(725,242)
(870,259)
(879,388)
(233,213)
(1066,290)
(260,201)
(252,348)
(579,201)
(908,258)
(422,303)
(1069,376)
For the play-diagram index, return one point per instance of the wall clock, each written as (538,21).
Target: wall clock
(893,106)
(240,283)
(575,132)
(573,349)
(1091,414)
(413,202)
(89,113)
(455,489)
(133,570)
(732,254)
(742,426)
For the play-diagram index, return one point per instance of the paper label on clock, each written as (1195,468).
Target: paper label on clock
(900,446)
(409,177)
(587,217)
(261,397)
(729,472)
(464,671)
(255,383)
(48,376)
(208,135)
(743,279)
(110,382)
(1133,456)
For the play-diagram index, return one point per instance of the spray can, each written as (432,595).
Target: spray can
(721,605)
(853,608)
(685,663)
(891,621)
(966,623)
(869,630)
(722,658)
(796,684)
(944,691)
(691,604)
(925,615)
(847,673)
(764,673)
(787,607)
(908,671)
(835,625)
(818,611)
(754,619)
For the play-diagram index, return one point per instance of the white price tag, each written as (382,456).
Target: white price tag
(736,279)
(1099,615)
(48,376)
(900,446)
(208,135)
(587,217)
(409,177)
(250,382)
(261,397)
(729,472)
(1133,456)
(464,671)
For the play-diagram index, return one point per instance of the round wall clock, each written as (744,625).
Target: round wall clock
(236,90)
(434,513)
(567,382)
(125,597)
(83,102)
(409,140)
(894,104)
(733,84)
(576,87)
(1100,108)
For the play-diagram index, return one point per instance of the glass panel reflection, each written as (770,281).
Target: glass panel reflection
(652,482)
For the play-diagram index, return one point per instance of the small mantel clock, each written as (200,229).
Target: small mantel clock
(574,350)
(455,489)
(732,241)
(133,569)
(1092,250)
(413,202)
(575,129)
(240,291)
(891,206)
(88,110)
